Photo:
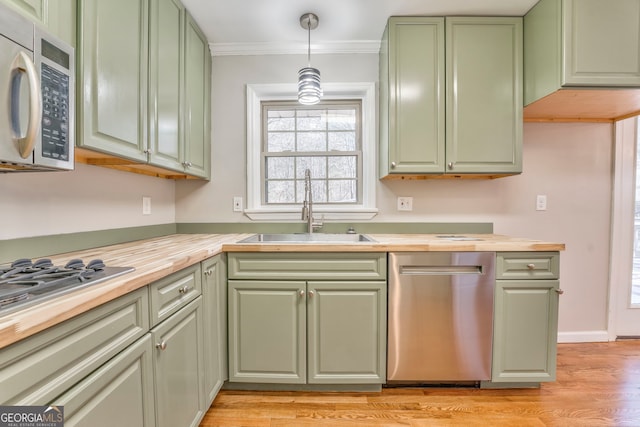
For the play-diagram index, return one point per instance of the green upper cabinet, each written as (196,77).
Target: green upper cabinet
(412,112)
(451,96)
(112,80)
(484,95)
(144,89)
(58,16)
(165,76)
(197,138)
(577,44)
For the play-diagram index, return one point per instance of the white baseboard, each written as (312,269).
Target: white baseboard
(583,336)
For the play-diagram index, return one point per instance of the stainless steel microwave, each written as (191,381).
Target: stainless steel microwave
(37,97)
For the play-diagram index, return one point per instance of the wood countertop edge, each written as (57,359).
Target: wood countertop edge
(153,263)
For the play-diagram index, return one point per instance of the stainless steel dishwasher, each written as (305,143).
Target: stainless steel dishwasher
(440,317)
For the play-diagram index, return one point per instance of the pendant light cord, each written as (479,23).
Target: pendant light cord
(309,42)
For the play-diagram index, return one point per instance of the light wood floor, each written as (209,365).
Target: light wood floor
(598,384)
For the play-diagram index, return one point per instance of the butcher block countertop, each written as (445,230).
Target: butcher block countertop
(159,257)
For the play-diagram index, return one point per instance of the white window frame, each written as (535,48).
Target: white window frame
(256,93)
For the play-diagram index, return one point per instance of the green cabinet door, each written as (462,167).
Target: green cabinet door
(165,89)
(112,55)
(178,366)
(267,331)
(119,393)
(214,295)
(197,114)
(602,42)
(484,95)
(412,74)
(346,332)
(525,331)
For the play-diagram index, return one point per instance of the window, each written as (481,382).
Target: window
(323,138)
(335,140)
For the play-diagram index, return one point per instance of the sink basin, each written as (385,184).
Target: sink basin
(307,238)
(456,237)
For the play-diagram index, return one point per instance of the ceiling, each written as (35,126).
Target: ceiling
(272,26)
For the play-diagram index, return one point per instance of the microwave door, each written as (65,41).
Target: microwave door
(20,112)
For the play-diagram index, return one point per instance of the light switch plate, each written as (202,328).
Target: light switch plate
(541,202)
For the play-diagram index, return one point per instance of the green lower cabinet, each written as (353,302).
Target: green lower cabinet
(525,331)
(267,331)
(42,367)
(120,393)
(214,309)
(346,332)
(178,368)
(299,332)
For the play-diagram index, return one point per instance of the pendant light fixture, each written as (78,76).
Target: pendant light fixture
(309,90)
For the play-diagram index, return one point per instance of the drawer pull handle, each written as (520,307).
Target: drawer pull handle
(301,293)
(184,289)
(531,266)
(559,291)
(161,345)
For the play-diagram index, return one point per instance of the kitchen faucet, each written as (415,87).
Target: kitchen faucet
(307,205)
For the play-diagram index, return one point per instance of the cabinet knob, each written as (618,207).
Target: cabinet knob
(393,165)
(450,165)
(184,289)
(301,293)
(559,291)
(161,345)
(208,273)
(311,294)
(148,151)
(531,266)
(187,164)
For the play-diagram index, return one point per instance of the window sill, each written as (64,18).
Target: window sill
(327,214)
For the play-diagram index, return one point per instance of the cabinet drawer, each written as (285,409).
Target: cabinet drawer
(307,266)
(528,265)
(170,294)
(40,368)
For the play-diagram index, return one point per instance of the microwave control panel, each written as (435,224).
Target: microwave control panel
(55,113)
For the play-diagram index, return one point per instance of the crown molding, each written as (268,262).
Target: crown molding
(287,48)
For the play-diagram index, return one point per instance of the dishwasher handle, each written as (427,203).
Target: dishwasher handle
(440,270)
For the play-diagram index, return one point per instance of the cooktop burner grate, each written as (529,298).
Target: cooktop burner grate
(24,281)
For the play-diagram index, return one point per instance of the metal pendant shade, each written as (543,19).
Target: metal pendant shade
(309,90)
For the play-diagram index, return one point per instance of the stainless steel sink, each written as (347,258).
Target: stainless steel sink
(306,238)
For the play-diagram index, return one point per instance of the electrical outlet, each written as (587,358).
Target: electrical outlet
(405,203)
(541,202)
(146,205)
(237,204)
